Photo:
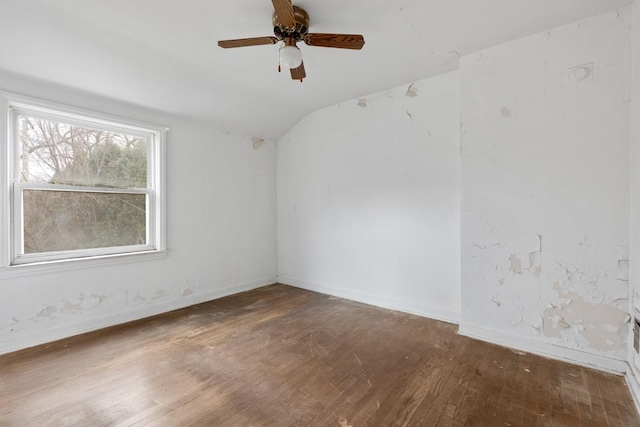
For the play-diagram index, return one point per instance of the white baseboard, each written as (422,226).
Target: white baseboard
(378,301)
(53,334)
(631,378)
(603,363)
(552,351)
(577,357)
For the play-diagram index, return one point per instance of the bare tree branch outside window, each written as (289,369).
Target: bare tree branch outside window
(70,155)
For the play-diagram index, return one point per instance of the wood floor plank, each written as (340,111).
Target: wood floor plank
(281,356)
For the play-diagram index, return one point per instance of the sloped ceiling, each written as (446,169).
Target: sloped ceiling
(163,54)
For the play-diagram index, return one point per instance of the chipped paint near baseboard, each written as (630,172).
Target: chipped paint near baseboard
(43,336)
(602,325)
(552,351)
(81,303)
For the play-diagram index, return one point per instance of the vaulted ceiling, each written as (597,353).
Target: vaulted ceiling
(163,54)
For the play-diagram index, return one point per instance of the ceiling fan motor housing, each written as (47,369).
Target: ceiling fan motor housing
(298,32)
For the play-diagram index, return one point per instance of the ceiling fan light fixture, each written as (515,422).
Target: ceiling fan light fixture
(290,26)
(290,56)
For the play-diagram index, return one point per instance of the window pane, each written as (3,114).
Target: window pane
(66,220)
(60,153)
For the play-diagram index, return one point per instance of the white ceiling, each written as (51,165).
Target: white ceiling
(163,54)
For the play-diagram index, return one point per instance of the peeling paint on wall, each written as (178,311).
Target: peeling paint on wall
(138,298)
(412,91)
(516,264)
(530,261)
(543,156)
(79,304)
(603,326)
(257,142)
(49,311)
(70,307)
(160,293)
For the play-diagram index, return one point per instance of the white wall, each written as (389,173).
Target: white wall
(221,235)
(634,267)
(368,199)
(545,192)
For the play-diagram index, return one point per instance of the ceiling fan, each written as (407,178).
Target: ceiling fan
(291,25)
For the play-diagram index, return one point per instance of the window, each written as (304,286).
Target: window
(79,185)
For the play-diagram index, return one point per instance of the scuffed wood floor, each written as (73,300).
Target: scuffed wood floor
(280,356)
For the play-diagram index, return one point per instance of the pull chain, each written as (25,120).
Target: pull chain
(279,68)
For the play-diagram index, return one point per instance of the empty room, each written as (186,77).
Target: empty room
(362,213)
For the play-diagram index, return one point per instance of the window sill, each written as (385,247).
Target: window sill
(49,267)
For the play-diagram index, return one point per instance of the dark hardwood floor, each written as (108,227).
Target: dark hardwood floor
(280,356)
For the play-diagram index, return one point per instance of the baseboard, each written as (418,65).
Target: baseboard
(378,301)
(552,351)
(54,334)
(631,378)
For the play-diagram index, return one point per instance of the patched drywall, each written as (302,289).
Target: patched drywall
(368,199)
(221,234)
(545,186)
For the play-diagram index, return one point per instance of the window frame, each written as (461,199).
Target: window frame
(11,231)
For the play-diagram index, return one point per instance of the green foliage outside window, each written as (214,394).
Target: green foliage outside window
(69,155)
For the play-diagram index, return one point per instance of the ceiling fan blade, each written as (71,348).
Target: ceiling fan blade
(298,73)
(341,41)
(284,10)
(254,41)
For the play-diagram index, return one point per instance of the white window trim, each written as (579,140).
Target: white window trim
(34,263)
